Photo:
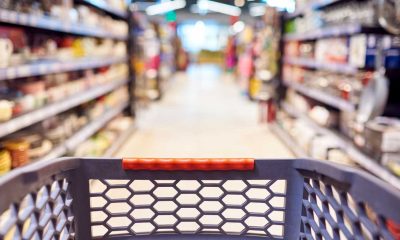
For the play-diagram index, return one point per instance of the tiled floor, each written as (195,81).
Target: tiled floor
(202,114)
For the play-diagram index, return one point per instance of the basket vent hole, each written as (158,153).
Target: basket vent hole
(141,186)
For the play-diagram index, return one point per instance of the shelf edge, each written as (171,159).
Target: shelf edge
(355,154)
(53,109)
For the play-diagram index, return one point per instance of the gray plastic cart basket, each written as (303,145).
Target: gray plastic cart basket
(73,198)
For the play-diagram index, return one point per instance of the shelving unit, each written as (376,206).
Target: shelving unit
(84,133)
(333,31)
(345,144)
(54,66)
(311,63)
(41,114)
(53,24)
(49,67)
(320,96)
(120,141)
(317,4)
(103,7)
(288,141)
(93,127)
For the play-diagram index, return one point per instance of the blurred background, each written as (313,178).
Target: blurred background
(201,78)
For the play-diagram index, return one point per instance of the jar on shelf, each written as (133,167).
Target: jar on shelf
(19,151)
(5,161)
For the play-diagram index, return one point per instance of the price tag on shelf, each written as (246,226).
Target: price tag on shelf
(23,71)
(10,127)
(26,120)
(3,15)
(23,19)
(13,17)
(42,68)
(11,73)
(33,20)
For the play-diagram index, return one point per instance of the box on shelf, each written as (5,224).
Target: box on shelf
(383,136)
(363,50)
(391,45)
(392,162)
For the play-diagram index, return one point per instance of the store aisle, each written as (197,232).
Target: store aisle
(202,115)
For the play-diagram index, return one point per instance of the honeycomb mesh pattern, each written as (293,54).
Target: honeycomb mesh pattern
(45,214)
(329,213)
(228,207)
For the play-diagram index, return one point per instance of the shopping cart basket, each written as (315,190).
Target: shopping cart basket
(72,198)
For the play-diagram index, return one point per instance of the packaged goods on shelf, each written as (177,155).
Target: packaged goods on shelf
(382,135)
(342,86)
(54,133)
(41,49)
(392,162)
(103,140)
(63,17)
(33,93)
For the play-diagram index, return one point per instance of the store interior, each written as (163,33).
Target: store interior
(264,79)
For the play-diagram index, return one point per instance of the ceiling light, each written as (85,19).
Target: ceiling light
(165,7)
(238,26)
(239,3)
(257,9)
(227,9)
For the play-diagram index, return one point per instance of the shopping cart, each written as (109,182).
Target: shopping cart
(72,198)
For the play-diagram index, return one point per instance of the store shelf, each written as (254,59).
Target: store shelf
(93,127)
(120,141)
(101,5)
(311,63)
(38,115)
(49,67)
(288,140)
(333,31)
(318,4)
(54,24)
(84,133)
(322,97)
(356,155)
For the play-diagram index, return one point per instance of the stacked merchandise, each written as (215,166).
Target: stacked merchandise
(63,75)
(167,33)
(338,65)
(245,64)
(152,56)
(266,47)
(154,60)
(258,64)
(140,55)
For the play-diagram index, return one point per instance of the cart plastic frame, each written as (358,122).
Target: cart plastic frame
(311,209)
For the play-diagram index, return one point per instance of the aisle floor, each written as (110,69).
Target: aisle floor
(202,114)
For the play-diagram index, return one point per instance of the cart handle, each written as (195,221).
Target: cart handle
(188,164)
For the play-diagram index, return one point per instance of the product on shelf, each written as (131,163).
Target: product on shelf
(103,140)
(341,62)
(19,151)
(316,144)
(66,13)
(332,50)
(258,49)
(5,161)
(35,92)
(38,140)
(347,87)
(63,75)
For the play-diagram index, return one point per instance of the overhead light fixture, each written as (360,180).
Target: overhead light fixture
(289,5)
(207,5)
(239,3)
(165,7)
(141,6)
(257,9)
(238,26)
